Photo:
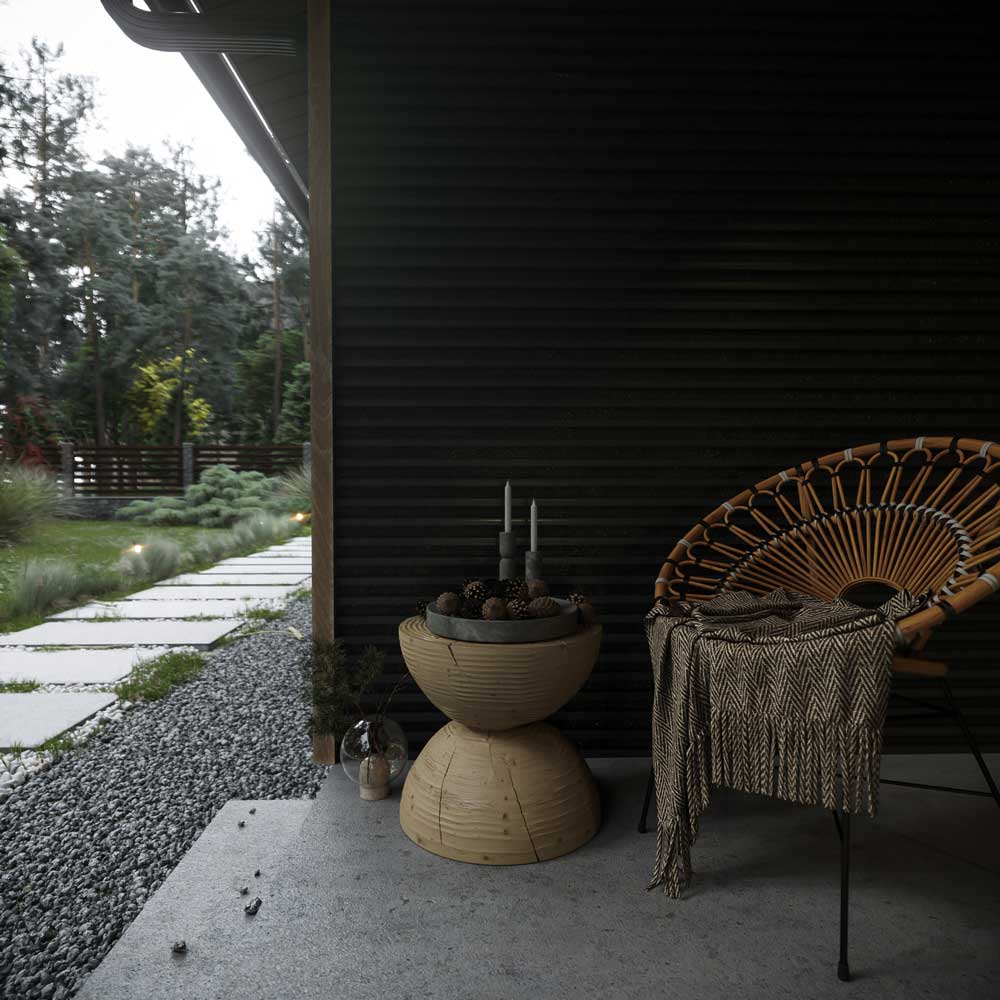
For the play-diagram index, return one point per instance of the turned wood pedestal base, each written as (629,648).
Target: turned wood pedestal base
(500,798)
(496,786)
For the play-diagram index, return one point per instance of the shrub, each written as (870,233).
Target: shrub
(156,561)
(221,498)
(40,583)
(28,495)
(296,487)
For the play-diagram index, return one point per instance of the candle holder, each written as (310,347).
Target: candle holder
(533,566)
(508,568)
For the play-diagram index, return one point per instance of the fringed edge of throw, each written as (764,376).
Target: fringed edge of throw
(815,762)
(810,763)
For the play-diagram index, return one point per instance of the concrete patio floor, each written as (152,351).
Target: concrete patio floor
(352,908)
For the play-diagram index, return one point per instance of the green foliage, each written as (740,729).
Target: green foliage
(28,496)
(293,426)
(335,685)
(155,560)
(255,372)
(58,745)
(18,687)
(35,584)
(296,488)
(153,679)
(219,499)
(117,296)
(155,388)
(39,584)
(262,614)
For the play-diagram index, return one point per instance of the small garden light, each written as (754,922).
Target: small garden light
(300,517)
(136,548)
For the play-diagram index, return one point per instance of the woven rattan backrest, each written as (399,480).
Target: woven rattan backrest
(921,514)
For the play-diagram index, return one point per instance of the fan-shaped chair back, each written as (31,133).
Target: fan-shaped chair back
(920,514)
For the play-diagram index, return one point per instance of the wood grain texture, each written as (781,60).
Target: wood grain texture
(321,331)
(495,686)
(500,798)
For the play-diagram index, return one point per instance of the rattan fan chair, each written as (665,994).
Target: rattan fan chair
(920,514)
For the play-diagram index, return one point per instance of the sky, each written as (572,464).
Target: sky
(145,97)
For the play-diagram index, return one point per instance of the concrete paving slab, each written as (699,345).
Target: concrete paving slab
(167,609)
(351,901)
(31,719)
(275,564)
(232,579)
(221,860)
(122,633)
(297,553)
(257,568)
(202,593)
(72,666)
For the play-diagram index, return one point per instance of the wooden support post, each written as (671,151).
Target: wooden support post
(320,83)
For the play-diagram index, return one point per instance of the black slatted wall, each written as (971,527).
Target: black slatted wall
(636,262)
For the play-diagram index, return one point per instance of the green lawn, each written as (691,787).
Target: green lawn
(95,543)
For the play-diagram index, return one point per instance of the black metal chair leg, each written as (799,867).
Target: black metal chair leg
(844,831)
(650,784)
(970,739)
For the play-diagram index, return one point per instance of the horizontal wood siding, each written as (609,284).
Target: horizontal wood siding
(635,262)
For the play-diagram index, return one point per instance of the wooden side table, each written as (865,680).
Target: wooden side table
(496,785)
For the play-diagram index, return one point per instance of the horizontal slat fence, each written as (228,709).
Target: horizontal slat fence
(159,470)
(269,459)
(127,470)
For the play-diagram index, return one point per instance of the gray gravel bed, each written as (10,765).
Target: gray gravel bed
(84,844)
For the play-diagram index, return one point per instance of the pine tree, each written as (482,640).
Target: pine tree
(293,427)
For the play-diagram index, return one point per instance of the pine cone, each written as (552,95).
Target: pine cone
(421,609)
(515,589)
(543,607)
(537,588)
(517,608)
(577,598)
(475,591)
(471,609)
(495,609)
(587,613)
(447,603)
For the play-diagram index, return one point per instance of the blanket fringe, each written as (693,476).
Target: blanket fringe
(810,763)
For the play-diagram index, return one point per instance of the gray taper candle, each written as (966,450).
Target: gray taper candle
(533,566)
(508,568)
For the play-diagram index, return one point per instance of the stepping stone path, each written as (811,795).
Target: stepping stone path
(193,608)
(70,651)
(233,577)
(198,634)
(72,666)
(31,719)
(244,594)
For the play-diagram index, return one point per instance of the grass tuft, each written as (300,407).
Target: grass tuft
(153,679)
(262,614)
(39,584)
(28,496)
(18,686)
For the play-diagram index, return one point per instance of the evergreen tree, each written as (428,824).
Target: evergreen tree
(293,427)
(43,114)
(281,273)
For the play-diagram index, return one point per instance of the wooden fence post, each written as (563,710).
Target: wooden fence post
(187,464)
(66,461)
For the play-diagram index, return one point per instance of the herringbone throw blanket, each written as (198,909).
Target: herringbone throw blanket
(781,695)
